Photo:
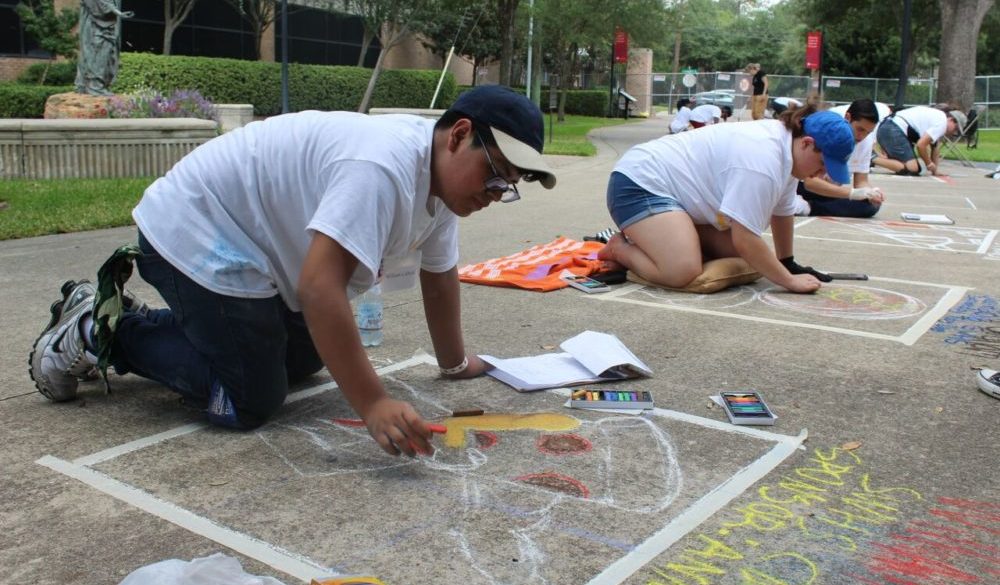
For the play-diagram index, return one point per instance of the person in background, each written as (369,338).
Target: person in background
(686,198)
(780,104)
(683,116)
(921,127)
(758,101)
(820,196)
(709,114)
(258,239)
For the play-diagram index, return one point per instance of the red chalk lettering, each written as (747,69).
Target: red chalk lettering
(907,561)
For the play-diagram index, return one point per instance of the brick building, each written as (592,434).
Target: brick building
(215,29)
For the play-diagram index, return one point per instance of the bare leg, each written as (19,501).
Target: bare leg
(664,249)
(716,244)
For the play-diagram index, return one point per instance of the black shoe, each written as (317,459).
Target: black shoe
(610,277)
(602,236)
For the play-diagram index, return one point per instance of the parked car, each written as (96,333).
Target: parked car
(719,97)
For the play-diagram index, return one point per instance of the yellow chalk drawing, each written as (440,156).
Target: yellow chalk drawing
(542,421)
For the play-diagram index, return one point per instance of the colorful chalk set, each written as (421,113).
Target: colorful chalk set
(746,408)
(616,399)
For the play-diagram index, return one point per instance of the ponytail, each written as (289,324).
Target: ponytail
(792,118)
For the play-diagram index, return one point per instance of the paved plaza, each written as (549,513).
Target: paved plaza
(882,467)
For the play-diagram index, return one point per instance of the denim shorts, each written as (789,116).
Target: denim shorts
(893,141)
(629,203)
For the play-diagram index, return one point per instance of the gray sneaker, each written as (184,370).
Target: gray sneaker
(59,357)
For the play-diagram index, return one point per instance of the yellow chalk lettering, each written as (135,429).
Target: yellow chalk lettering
(757,577)
(819,476)
(762,516)
(866,486)
(832,468)
(834,453)
(715,549)
(848,521)
(798,497)
(846,542)
(868,508)
(689,568)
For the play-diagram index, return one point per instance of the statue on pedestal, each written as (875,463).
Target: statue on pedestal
(100,36)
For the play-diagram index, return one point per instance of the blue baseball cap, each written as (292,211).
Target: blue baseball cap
(517,126)
(834,139)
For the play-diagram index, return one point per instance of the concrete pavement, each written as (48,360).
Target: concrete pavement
(882,467)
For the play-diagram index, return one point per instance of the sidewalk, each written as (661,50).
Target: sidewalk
(876,374)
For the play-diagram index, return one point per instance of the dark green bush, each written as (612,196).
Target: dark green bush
(310,87)
(587,102)
(60,73)
(580,102)
(25,101)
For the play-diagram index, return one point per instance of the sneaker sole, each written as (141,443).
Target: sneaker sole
(56,313)
(987,386)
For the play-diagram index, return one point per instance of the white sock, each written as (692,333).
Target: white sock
(87,331)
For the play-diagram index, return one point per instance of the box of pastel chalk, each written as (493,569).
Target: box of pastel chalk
(614,399)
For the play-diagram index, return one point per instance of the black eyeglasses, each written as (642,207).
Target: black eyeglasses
(496,183)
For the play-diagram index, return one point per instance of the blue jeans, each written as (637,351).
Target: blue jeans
(836,207)
(628,203)
(210,347)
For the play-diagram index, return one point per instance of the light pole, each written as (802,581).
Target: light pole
(284,57)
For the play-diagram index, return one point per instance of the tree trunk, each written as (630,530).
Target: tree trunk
(366,41)
(506,11)
(366,100)
(168,36)
(960,24)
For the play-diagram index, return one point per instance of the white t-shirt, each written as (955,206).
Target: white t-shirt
(861,156)
(238,213)
(740,172)
(706,114)
(681,120)
(923,119)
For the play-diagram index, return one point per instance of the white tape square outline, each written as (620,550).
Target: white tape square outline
(305,569)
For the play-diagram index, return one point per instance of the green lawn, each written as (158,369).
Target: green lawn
(36,208)
(987,151)
(570,135)
(41,207)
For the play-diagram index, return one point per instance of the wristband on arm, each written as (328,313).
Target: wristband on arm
(457,369)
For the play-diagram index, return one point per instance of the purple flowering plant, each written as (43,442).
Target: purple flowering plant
(149,103)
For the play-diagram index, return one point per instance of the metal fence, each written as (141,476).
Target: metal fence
(734,88)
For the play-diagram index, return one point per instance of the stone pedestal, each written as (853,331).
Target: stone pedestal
(76,105)
(233,116)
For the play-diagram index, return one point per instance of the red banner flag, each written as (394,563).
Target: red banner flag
(814,49)
(621,45)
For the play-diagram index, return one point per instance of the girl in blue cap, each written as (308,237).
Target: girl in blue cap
(687,198)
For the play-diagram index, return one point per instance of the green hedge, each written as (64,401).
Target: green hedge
(26,101)
(310,87)
(580,102)
(60,73)
(587,102)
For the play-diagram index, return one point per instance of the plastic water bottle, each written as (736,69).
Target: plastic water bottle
(370,316)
